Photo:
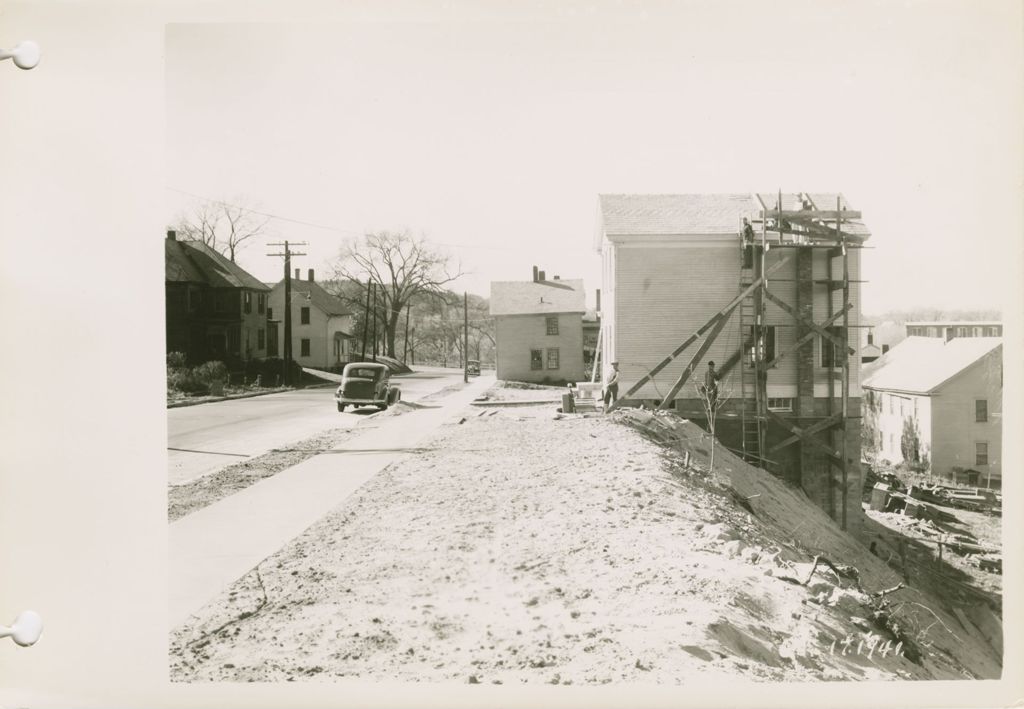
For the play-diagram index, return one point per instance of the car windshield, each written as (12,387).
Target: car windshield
(362,373)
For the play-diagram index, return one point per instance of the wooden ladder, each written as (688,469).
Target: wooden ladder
(750,405)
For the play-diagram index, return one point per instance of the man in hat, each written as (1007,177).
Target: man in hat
(611,387)
(711,384)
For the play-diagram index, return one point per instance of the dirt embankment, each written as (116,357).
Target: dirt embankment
(524,548)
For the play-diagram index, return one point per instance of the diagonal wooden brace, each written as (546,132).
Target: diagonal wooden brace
(808,322)
(810,430)
(724,312)
(692,364)
(832,455)
(807,338)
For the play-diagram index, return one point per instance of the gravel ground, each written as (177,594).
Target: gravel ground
(528,548)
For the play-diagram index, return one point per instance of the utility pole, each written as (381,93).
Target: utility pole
(286,350)
(366,318)
(465,337)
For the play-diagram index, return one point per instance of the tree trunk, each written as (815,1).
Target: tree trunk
(393,318)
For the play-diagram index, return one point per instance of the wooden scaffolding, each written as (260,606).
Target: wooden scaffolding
(805,229)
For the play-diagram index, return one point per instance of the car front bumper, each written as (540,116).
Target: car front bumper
(358,402)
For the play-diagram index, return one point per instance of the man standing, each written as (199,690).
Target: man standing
(611,387)
(711,384)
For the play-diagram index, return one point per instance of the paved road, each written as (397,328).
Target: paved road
(212,547)
(204,438)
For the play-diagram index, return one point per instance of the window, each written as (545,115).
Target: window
(831,355)
(270,313)
(234,339)
(981,453)
(261,339)
(963,332)
(247,302)
(981,410)
(536,359)
(552,324)
(304,316)
(767,344)
(780,403)
(304,347)
(552,358)
(261,303)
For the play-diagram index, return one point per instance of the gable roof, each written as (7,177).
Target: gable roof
(324,301)
(923,364)
(536,297)
(195,262)
(701,214)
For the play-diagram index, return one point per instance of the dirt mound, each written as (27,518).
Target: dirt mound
(882,610)
(514,548)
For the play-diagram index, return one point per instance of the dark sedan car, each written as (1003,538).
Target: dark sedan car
(366,384)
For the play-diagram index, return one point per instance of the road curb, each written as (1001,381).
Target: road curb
(250,395)
(529,402)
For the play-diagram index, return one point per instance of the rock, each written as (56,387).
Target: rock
(473,679)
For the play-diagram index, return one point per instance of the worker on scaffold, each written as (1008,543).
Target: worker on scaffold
(748,244)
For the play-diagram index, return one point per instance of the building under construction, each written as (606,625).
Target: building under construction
(767,286)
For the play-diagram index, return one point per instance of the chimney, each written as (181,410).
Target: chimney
(598,292)
(540,276)
(871,338)
(310,278)
(885,348)
(171,235)
(297,275)
(535,274)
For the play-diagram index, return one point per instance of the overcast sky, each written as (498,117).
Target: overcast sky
(495,138)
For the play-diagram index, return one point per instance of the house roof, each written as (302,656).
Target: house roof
(953,323)
(536,297)
(923,364)
(195,262)
(324,301)
(700,214)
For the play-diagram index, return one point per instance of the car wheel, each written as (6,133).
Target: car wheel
(383,407)
(341,407)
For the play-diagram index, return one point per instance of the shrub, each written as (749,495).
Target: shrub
(176,360)
(210,372)
(185,381)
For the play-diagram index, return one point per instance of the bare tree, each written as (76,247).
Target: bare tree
(712,399)
(403,267)
(222,226)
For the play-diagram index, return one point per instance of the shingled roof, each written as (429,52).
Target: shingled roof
(195,262)
(700,214)
(324,301)
(922,364)
(537,297)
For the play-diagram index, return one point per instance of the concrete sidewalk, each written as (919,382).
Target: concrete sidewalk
(211,548)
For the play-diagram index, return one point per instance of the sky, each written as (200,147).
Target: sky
(494,138)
